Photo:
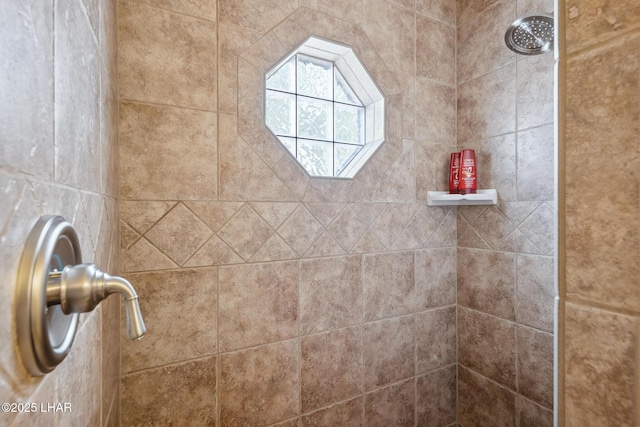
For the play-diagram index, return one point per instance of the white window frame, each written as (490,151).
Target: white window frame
(362,84)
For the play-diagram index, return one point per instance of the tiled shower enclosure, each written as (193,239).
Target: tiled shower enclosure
(276,299)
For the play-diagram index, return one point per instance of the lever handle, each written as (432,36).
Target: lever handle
(80,288)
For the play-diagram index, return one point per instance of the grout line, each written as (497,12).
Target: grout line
(165,9)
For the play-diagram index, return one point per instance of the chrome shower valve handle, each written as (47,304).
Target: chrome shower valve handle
(80,288)
(53,287)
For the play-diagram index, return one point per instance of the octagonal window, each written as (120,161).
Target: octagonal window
(325,108)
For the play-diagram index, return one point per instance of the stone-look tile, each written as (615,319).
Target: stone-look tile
(435,276)
(300,219)
(368,212)
(532,415)
(143,256)
(243,174)
(179,233)
(77,114)
(330,293)
(518,211)
(180,311)
(445,235)
(388,351)
(436,398)
(486,105)
(440,10)
(526,7)
(594,21)
(391,406)
(419,231)
(322,380)
(259,386)
(534,91)
(487,345)
(92,10)
(536,164)
(480,43)
(435,339)
(435,112)
(258,15)
(408,4)
(258,303)
(166,57)
(347,229)
(493,226)
(274,249)
(539,228)
(349,413)
(113,416)
(214,214)
(197,8)
(486,281)
(392,221)
(327,212)
(82,362)
(432,168)
(469,8)
(45,393)
(27,138)
(369,243)
(111,347)
(350,10)
(535,291)
(167,153)
(604,101)
(391,29)
(288,423)
(213,252)
(274,213)
(535,365)
(246,232)
(171,394)
(340,190)
(600,366)
(290,172)
(436,43)
(408,106)
(496,165)
(398,182)
(482,402)
(141,215)
(324,246)
(232,41)
(388,285)
(108,147)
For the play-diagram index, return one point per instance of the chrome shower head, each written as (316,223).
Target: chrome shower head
(531,34)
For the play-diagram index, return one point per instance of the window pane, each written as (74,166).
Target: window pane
(349,124)
(284,78)
(315,118)
(289,143)
(315,77)
(344,153)
(343,92)
(316,157)
(281,113)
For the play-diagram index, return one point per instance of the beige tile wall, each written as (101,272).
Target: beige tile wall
(505,255)
(601,287)
(273,298)
(58,154)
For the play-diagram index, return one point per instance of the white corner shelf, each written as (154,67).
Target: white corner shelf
(481,197)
